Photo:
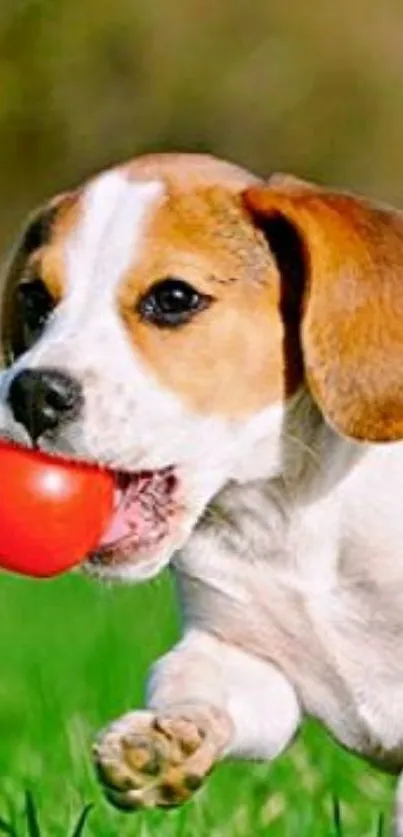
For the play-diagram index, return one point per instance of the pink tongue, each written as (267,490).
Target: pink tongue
(128,519)
(119,527)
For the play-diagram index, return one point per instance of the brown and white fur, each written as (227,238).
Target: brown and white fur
(273,406)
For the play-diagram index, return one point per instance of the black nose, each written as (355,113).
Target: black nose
(42,399)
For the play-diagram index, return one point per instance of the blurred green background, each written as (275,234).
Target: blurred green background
(315,88)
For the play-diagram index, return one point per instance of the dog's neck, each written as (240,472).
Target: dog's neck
(299,451)
(315,458)
(247,515)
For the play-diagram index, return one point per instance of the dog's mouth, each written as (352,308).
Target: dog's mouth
(146,511)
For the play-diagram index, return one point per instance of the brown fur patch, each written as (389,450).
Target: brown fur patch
(228,359)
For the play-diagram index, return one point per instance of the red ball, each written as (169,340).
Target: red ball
(52,511)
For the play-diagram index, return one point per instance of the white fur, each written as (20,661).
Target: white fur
(204,669)
(259,590)
(102,247)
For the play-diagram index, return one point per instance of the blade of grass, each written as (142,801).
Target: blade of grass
(31,815)
(6,828)
(79,827)
(380,827)
(337,818)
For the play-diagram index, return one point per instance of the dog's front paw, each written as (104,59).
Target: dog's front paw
(146,759)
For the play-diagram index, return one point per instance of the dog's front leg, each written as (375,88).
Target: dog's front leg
(206,700)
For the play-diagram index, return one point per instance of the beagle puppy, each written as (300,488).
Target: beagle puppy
(233,350)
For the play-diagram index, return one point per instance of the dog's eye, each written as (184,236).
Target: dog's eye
(31,309)
(35,305)
(172,302)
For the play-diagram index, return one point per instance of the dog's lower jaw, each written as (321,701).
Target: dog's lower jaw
(194,495)
(144,565)
(127,571)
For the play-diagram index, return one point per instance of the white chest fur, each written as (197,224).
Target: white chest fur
(316,586)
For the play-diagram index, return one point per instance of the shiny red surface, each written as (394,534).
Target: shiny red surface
(52,512)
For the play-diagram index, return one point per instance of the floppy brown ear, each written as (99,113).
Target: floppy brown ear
(350,267)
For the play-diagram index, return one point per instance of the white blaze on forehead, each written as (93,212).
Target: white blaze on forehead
(104,242)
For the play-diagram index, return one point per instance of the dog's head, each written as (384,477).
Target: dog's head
(160,320)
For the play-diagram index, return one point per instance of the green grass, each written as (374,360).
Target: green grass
(74,655)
